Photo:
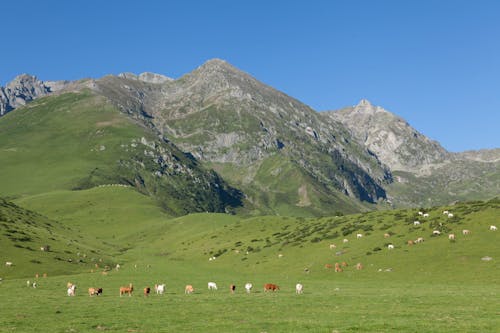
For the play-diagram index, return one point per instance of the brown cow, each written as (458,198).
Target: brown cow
(188,289)
(337,267)
(95,291)
(328,266)
(147,290)
(410,242)
(271,287)
(127,290)
(359,266)
(344,264)
(232,288)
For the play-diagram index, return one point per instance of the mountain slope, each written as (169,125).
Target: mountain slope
(224,116)
(392,139)
(425,174)
(78,140)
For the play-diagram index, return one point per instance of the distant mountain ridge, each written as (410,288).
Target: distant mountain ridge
(279,151)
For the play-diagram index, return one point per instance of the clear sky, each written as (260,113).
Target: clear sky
(436,63)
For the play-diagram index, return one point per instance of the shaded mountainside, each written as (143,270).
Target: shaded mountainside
(79,140)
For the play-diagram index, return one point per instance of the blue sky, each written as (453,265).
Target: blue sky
(434,63)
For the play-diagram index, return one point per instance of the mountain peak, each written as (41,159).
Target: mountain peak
(364,103)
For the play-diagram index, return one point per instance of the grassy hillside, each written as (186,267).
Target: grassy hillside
(278,186)
(78,141)
(436,286)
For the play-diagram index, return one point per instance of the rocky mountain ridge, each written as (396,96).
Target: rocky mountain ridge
(251,132)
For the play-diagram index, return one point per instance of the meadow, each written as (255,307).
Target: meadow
(437,286)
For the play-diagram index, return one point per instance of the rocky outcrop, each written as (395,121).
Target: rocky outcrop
(23,89)
(390,138)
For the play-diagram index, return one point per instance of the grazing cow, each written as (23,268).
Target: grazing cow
(280,255)
(232,288)
(416,222)
(493,228)
(445,212)
(359,235)
(248,287)
(8,263)
(451,237)
(95,291)
(359,266)
(410,242)
(419,240)
(465,232)
(387,235)
(420,213)
(328,266)
(343,264)
(127,290)
(271,287)
(390,247)
(333,246)
(71,290)
(338,269)
(299,288)
(147,290)
(450,215)
(34,284)
(345,240)
(436,233)
(426,215)
(159,289)
(212,286)
(188,289)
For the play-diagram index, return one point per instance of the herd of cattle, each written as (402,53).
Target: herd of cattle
(189,289)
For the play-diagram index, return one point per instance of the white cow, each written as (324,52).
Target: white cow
(419,240)
(466,232)
(248,287)
(345,240)
(71,290)
(212,286)
(426,215)
(451,237)
(299,288)
(436,232)
(8,263)
(390,247)
(359,235)
(445,212)
(450,215)
(160,288)
(416,222)
(493,228)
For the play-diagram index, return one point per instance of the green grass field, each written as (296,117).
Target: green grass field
(436,286)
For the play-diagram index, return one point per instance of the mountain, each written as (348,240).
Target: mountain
(424,172)
(253,134)
(79,140)
(268,152)
(23,89)
(392,139)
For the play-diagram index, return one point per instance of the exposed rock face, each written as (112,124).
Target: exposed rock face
(146,77)
(23,89)
(392,139)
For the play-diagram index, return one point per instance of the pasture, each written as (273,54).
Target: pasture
(435,286)
(333,303)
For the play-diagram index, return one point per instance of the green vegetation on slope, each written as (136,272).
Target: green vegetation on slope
(78,141)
